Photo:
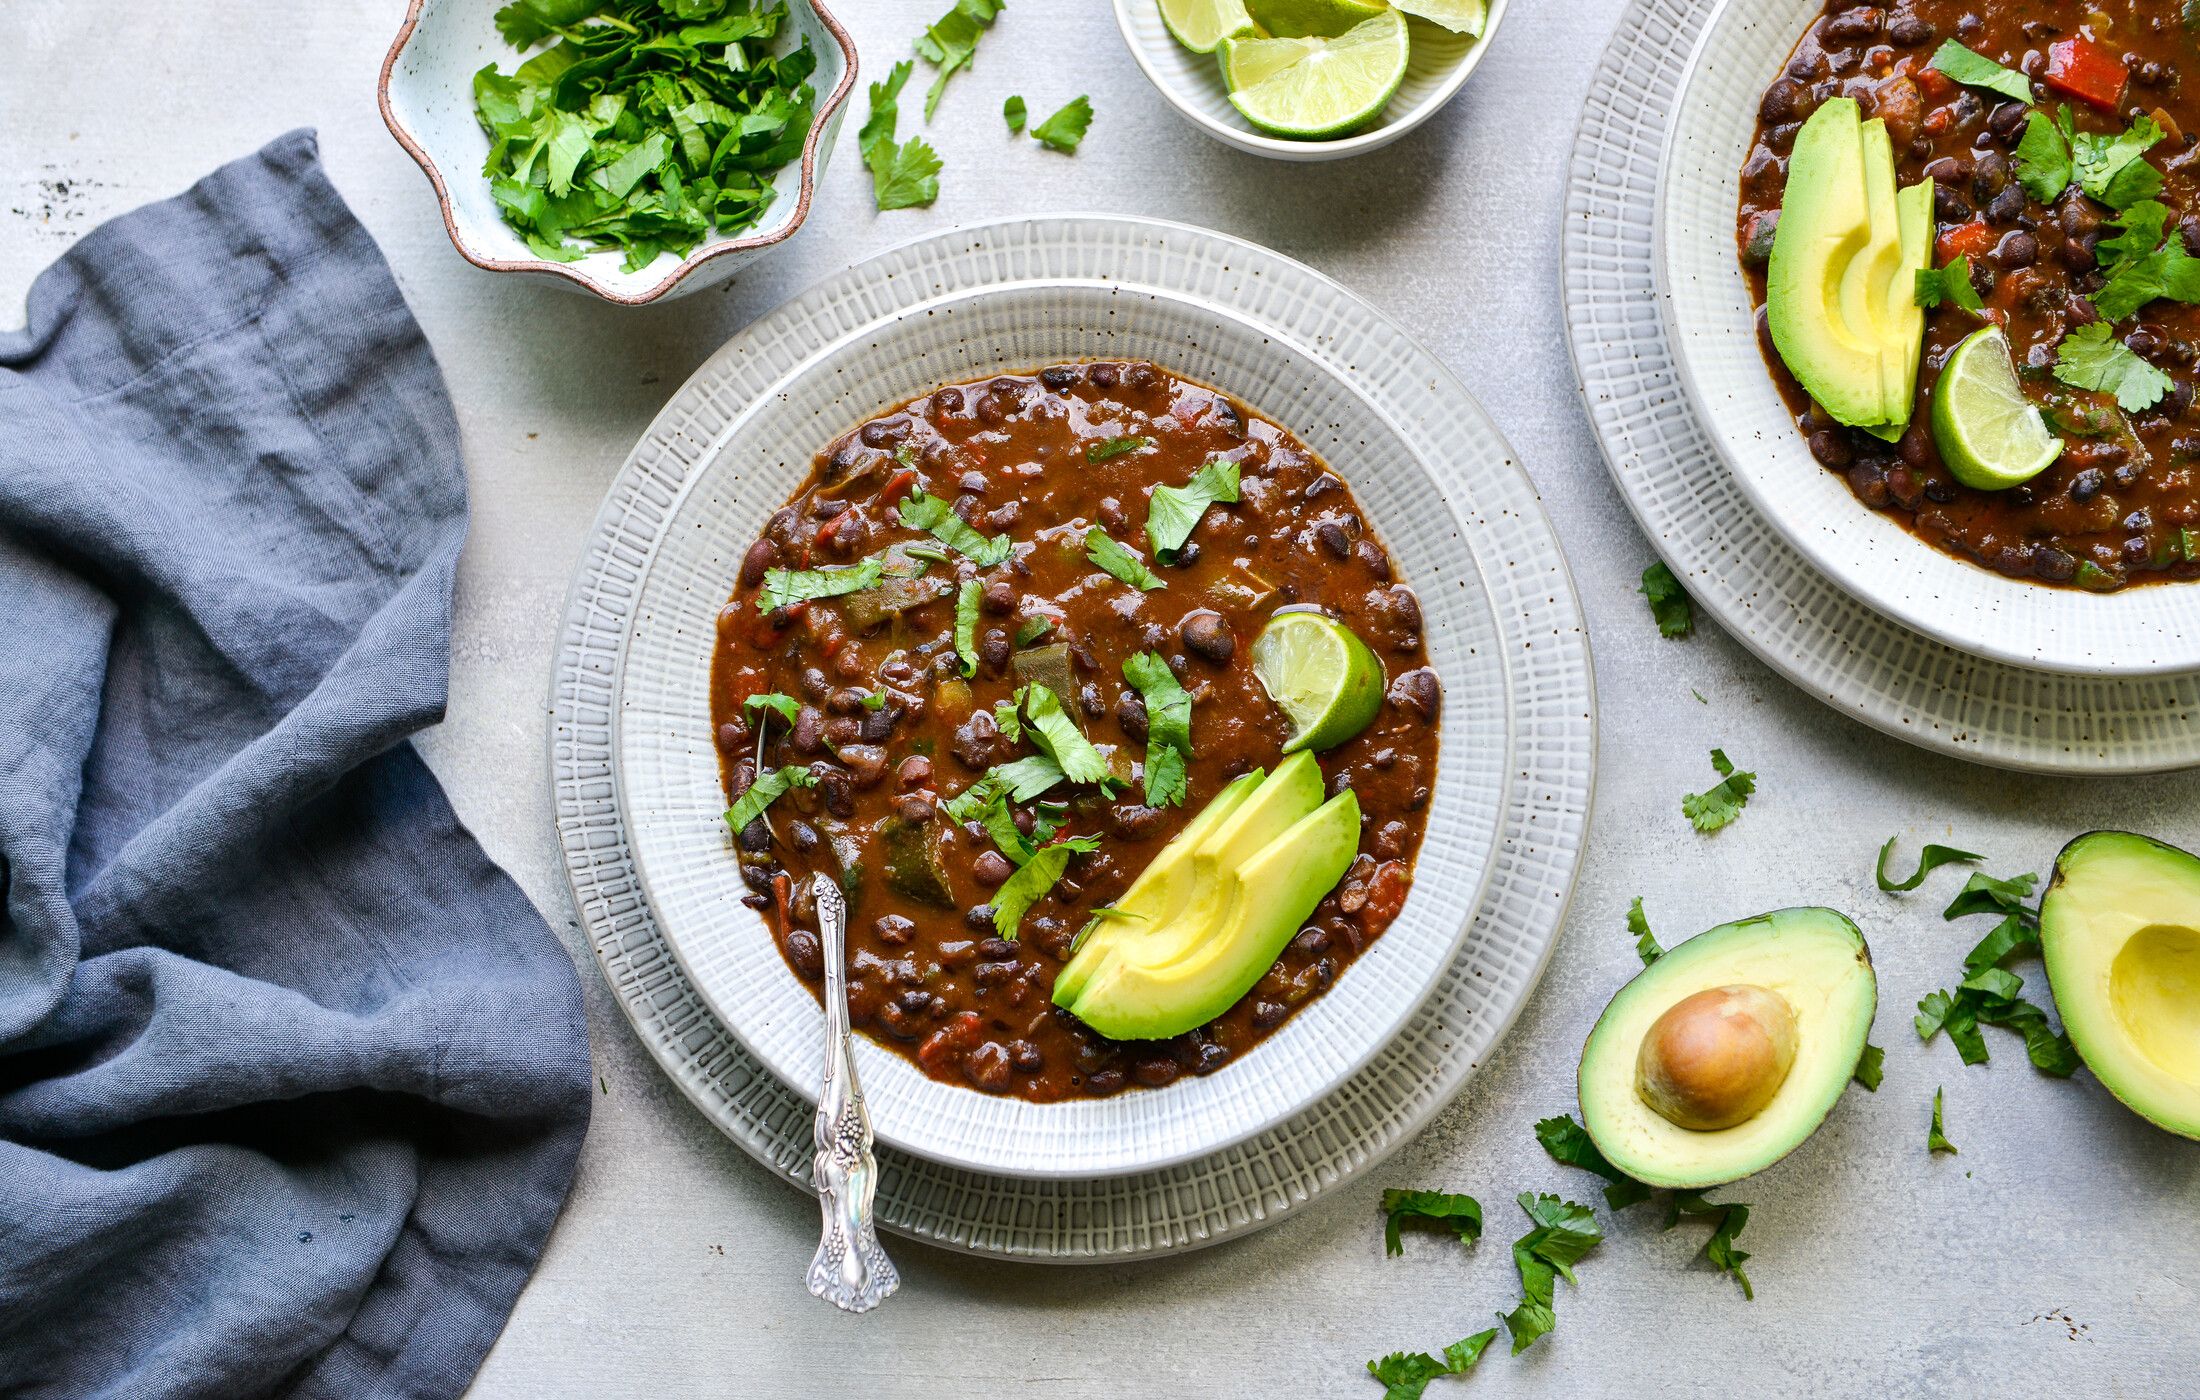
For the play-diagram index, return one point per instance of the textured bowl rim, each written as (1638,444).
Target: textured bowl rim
(819,121)
(2126,660)
(1284,148)
(1404,1011)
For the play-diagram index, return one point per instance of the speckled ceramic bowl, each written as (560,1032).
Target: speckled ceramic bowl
(427,100)
(1192,84)
(2149,630)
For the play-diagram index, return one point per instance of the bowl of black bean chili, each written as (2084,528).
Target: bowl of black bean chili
(2059,141)
(1011,534)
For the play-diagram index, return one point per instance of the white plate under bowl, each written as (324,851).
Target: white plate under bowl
(2151,630)
(666,764)
(1439,63)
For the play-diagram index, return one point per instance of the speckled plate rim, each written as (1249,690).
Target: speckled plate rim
(1252,1184)
(1712,328)
(1738,567)
(726,951)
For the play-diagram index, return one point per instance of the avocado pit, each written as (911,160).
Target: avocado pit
(1716,1058)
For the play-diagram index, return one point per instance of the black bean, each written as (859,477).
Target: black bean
(2052,564)
(732,737)
(1141,377)
(1269,1013)
(1156,1071)
(1104,1082)
(991,869)
(1868,479)
(987,1066)
(2138,520)
(866,764)
(1909,32)
(1103,376)
(915,772)
(1404,608)
(2088,484)
(2006,207)
(877,726)
(885,432)
(2018,249)
(805,953)
(761,556)
(1001,596)
(2006,121)
(1130,713)
(1208,635)
(1418,691)
(1785,101)
(1135,822)
(948,401)
(809,730)
(1860,23)
(1374,557)
(1058,377)
(979,917)
(1989,175)
(837,789)
(1025,1057)
(1333,538)
(997,950)
(1831,447)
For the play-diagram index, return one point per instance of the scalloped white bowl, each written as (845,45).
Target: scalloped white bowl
(1192,84)
(665,770)
(427,102)
(2148,630)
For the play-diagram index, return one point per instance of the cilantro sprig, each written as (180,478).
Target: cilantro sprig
(1168,727)
(783,588)
(1111,555)
(1974,69)
(1173,512)
(1064,130)
(951,41)
(904,175)
(2091,357)
(1670,604)
(1405,1374)
(767,789)
(1646,942)
(1562,1234)
(1033,880)
(1990,994)
(1709,811)
(1951,284)
(1569,1144)
(936,517)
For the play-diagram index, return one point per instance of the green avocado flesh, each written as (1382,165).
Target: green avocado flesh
(1813,959)
(1840,294)
(2120,932)
(1216,907)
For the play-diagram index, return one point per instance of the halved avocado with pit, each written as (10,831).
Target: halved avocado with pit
(2120,933)
(1721,1057)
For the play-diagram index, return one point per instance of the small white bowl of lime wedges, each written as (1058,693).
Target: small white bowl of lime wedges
(1307,79)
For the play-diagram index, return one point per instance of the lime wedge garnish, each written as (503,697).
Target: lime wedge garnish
(1990,435)
(1323,678)
(1326,19)
(1459,16)
(1199,25)
(1316,88)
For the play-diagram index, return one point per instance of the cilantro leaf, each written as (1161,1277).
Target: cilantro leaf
(1870,1067)
(1936,1140)
(1033,629)
(2092,358)
(783,588)
(2144,262)
(967,598)
(1669,602)
(1461,1215)
(1066,128)
(1569,1144)
(1709,811)
(1951,284)
(784,706)
(2011,934)
(1030,776)
(903,176)
(1057,735)
(1563,1233)
(1102,549)
(1938,1011)
(1983,894)
(2043,156)
(2113,169)
(1728,1219)
(1646,943)
(1173,512)
(1032,880)
(951,41)
(1168,726)
(1932,858)
(1012,112)
(1102,450)
(937,518)
(767,789)
(1406,1374)
(1974,69)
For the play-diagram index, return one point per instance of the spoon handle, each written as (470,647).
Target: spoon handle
(850,1271)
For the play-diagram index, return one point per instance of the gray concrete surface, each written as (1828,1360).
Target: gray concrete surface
(2054,1256)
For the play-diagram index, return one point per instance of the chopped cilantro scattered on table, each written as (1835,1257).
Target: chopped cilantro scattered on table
(1930,860)
(1936,1137)
(1870,1067)
(951,41)
(1012,112)
(1669,602)
(1440,1210)
(643,127)
(904,175)
(1406,1374)
(1066,128)
(1646,943)
(1563,1233)
(1709,811)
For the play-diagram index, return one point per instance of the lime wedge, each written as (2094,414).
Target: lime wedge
(1325,19)
(1459,16)
(1990,435)
(1199,25)
(1317,88)
(1323,678)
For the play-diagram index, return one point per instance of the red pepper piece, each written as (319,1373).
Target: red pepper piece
(2083,69)
(1973,240)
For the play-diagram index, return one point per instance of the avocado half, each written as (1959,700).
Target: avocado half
(2120,932)
(1817,961)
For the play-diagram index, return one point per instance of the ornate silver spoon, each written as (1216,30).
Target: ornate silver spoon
(850,1271)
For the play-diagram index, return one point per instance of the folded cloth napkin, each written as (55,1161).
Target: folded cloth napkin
(292,1078)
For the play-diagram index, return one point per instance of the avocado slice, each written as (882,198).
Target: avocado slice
(1180,904)
(1840,289)
(1160,889)
(2120,932)
(1262,903)
(1810,965)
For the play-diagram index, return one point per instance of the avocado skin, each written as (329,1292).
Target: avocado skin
(1818,959)
(2108,886)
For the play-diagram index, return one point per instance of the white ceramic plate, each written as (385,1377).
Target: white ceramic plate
(1192,83)
(1542,644)
(666,767)
(1738,567)
(2152,630)
(428,104)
